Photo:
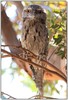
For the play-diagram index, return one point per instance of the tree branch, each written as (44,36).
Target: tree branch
(4,56)
(32,55)
(8,95)
(10,38)
(30,62)
(37,97)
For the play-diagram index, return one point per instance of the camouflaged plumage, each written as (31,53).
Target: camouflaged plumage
(35,38)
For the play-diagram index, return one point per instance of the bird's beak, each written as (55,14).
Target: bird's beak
(30,17)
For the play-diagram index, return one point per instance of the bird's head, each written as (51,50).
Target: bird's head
(34,12)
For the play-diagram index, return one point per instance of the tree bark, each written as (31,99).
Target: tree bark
(9,37)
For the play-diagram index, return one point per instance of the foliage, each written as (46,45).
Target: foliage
(56,23)
(29,83)
(49,87)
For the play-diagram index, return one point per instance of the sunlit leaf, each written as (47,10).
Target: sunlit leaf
(61,53)
(55,26)
(29,83)
(9,3)
(2,71)
(57,38)
(60,29)
(56,10)
(56,23)
(62,4)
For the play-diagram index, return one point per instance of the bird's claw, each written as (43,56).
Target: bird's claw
(24,55)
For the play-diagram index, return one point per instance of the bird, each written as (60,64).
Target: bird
(35,38)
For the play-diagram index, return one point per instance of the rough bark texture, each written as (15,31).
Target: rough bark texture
(9,37)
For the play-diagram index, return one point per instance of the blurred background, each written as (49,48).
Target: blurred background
(15,81)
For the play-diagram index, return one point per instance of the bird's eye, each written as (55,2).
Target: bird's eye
(28,10)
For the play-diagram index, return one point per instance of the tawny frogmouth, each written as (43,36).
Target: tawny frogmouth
(35,38)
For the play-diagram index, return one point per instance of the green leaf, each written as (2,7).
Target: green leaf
(55,26)
(61,53)
(57,91)
(60,29)
(9,3)
(57,38)
(2,71)
(29,83)
(56,10)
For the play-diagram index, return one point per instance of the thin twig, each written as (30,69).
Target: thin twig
(52,54)
(35,57)
(17,56)
(43,97)
(20,47)
(9,45)
(4,56)
(7,95)
(30,62)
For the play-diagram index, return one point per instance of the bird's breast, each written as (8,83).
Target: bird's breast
(34,38)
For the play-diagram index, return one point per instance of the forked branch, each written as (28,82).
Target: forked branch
(55,70)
